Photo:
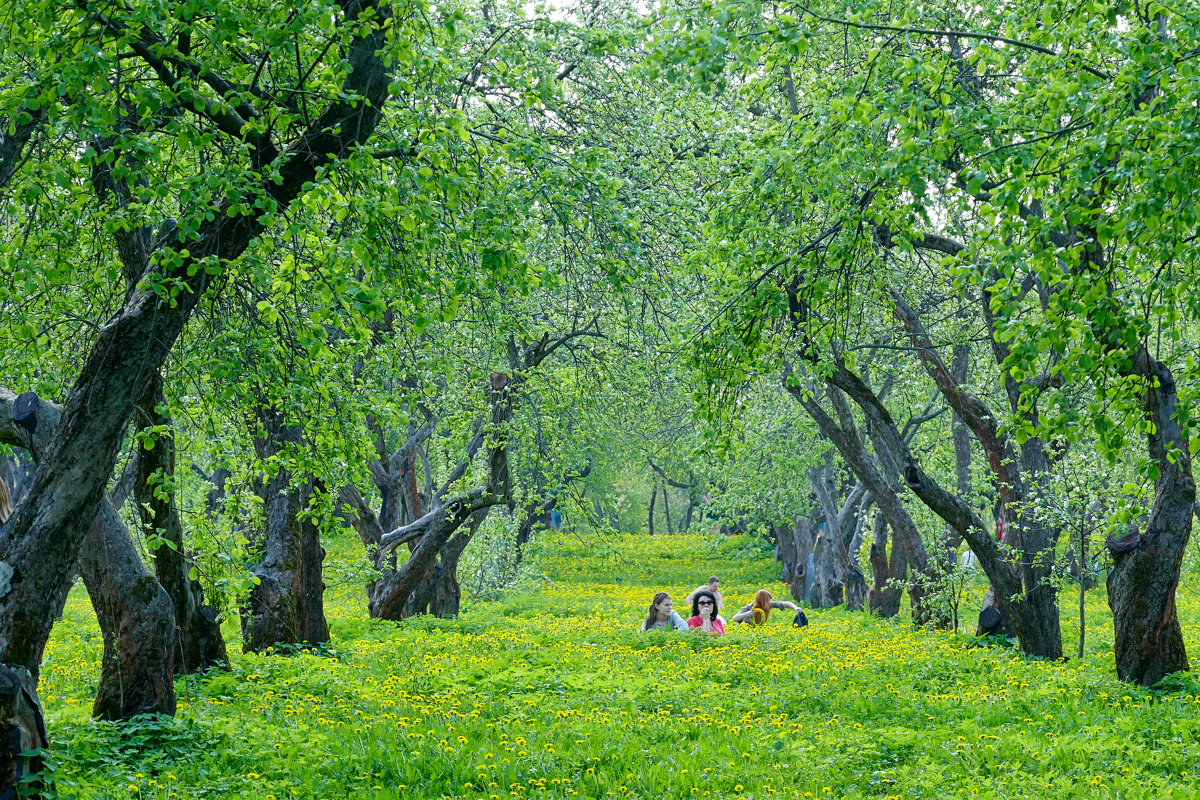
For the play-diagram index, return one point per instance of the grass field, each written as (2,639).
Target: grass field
(552,693)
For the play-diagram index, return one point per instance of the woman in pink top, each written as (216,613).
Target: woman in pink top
(704,614)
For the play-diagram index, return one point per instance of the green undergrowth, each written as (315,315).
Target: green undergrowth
(551,692)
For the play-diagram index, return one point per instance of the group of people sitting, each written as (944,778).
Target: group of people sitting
(706,605)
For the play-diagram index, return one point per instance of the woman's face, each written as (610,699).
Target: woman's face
(705,606)
(664,608)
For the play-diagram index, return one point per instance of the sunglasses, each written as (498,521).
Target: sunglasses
(705,603)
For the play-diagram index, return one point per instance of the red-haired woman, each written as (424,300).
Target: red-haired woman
(758,610)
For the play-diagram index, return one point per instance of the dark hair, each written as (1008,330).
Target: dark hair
(650,620)
(712,578)
(696,603)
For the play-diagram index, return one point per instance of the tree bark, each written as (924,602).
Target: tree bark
(137,619)
(1145,574)
(135,616)
(785,552)
(653,498)
(802,535)
(890,572)
(667,511)
(391,594)
(200,644)
(287,605)
(852,575)
(447,594)
(832,563)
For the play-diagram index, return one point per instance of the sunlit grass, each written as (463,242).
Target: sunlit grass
(552,693)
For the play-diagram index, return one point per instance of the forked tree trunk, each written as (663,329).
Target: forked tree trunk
(1145,574)
(287,605)
(904,531)
(200,644)
(135,616)
(890,572)
(825,588)
(1025,594)
(137,619)
(392,595)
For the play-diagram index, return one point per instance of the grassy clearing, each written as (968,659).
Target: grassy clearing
(551,693)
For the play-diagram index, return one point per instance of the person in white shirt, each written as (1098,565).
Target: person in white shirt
(714,586)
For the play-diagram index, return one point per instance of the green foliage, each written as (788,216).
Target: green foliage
(552,691)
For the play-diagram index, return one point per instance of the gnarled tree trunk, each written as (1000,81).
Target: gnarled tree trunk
(802,535)
(135,616)
(890,572)
(852,574)
(849,444)
(287,605)
(1145,574)
(137,619)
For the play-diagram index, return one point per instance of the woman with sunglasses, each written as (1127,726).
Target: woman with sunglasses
(704,614)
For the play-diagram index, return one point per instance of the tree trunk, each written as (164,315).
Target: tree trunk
(1145,572)
(25,732)
(391,596)
(785,552)
(1033,614)
(852,574)
(653,498)
(200,644)
(287,605)
(667,510)
(686,525)
(825,587)
(890,572)
(802,535)
(447,595)
(904,531)
(135,616)
(137,619)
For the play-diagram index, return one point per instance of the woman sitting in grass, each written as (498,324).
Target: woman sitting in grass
(704,614)
(663,616)
(758,610)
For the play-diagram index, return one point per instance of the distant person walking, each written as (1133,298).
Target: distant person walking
(758,610)
(704,614)
(663,616)
(713,587)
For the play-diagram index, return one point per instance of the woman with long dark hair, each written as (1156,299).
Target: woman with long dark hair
(663,616)
(704,614)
